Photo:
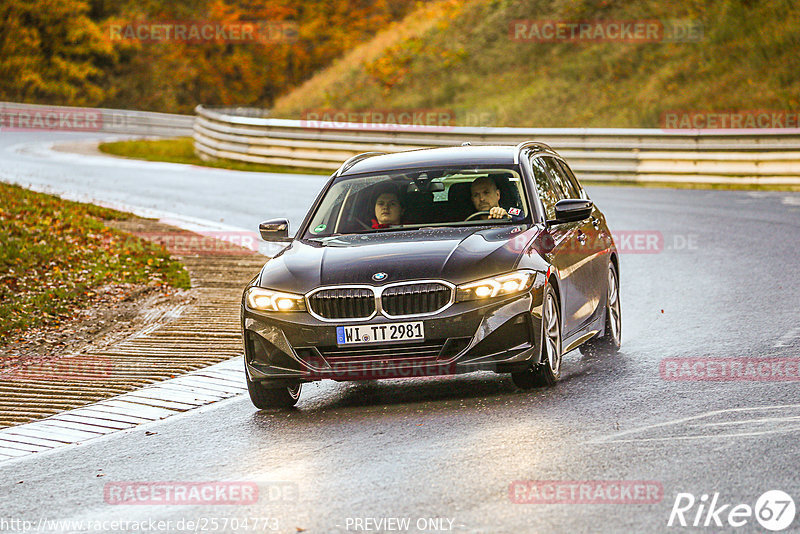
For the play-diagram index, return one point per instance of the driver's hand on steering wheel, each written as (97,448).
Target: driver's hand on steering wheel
(498,213)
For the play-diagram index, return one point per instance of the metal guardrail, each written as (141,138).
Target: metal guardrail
(707,156)
(31,117)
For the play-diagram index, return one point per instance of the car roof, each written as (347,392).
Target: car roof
(436,157)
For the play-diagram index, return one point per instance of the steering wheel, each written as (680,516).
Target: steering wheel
(476,214)
(479,213)
(363,224)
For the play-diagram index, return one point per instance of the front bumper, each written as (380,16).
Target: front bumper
(500,335)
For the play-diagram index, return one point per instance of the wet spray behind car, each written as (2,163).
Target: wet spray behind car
(482,258)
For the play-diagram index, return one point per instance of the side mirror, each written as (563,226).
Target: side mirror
(275,230)
(571,210)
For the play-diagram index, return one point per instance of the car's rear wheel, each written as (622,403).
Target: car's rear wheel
(264,396)
(548,372)
(611,339)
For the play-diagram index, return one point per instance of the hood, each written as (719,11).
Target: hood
(457,255)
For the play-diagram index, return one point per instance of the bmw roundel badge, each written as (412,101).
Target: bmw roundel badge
(379,276)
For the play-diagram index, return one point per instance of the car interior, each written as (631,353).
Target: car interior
(437,199)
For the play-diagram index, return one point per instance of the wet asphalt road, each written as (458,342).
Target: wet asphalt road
(445,452)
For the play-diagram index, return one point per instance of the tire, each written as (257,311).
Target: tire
(264,397)
(610,341)
(549,371)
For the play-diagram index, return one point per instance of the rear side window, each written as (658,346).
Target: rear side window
(560,179)
(544,187)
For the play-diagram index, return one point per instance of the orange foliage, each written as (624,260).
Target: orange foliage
(93,65)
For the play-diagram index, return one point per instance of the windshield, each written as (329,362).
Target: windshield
(421,197)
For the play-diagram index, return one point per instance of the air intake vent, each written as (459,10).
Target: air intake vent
(414,299)
(346,303)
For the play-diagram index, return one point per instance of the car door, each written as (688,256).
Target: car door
(583,294)
(597,248)
(560,243)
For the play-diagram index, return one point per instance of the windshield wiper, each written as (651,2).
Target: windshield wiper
(393,229)
(334,239)
(328,239)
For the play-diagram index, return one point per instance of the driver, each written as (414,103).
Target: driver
(486,197)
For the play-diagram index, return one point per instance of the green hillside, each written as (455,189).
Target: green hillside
(461,56)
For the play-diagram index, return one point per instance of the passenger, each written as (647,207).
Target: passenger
(388,208)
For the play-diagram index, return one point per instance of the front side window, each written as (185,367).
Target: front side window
(418,198)
(570,176)
(560,179)
(544,187)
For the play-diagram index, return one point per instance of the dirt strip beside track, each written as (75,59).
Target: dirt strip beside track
(206,331)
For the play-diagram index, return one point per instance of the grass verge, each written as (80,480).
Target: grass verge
(181,150)
(56,254)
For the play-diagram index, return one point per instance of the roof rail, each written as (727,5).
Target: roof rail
(529,144)
(355,159)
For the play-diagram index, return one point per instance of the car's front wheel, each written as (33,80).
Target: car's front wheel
(611,339)
(264,396)
(548,372)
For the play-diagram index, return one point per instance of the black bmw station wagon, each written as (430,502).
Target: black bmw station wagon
(434,262)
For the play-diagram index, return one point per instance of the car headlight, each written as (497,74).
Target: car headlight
(497,286)
(276,301)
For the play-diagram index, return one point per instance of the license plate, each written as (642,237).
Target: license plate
(379,333)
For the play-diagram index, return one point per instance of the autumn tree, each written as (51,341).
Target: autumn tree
(65,52)
(51,52)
